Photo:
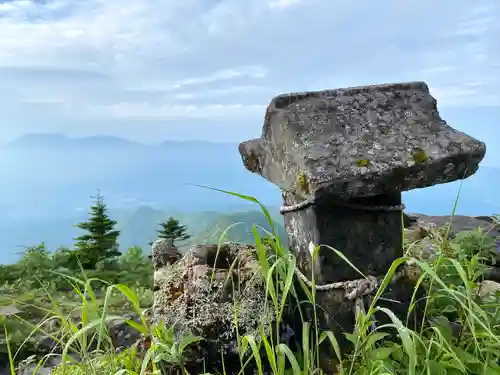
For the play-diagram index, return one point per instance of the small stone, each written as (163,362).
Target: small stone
(488,289)
(164,252)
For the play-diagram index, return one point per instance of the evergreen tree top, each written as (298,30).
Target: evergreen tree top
(172,229)
(99,243)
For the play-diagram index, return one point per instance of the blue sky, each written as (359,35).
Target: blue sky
(206,69)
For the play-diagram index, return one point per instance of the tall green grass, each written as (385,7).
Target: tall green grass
(459,332)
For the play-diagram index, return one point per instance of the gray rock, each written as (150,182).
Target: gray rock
(459,223)
(196,295)
(9,310)
(164,252)
(488,290)
(28,366)
(360,141)
(417,229)
(122,334)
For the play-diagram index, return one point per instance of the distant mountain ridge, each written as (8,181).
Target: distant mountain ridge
(137,227)
(39,171)
(47,181)
(61,141)
(52,168)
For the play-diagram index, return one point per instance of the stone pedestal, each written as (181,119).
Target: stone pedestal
(368,231)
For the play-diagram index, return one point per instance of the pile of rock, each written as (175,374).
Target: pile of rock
(199,293)
(423,228)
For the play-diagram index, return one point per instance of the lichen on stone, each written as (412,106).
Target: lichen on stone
(252,161)
(303,183)
(363,162)
(420,156)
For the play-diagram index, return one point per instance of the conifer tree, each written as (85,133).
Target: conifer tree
(100,241)
(172,229)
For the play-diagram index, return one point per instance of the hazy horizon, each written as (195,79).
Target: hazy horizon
(207,70)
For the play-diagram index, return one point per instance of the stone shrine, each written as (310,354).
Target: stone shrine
(342,158)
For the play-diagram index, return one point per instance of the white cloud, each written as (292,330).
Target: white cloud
(250,72)
(116,60)
(478,21)
(142,111)
(227,74)
(436,70)
(466,94)
(282,3)
(232,90)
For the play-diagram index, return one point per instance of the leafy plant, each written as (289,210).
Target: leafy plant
(170,350)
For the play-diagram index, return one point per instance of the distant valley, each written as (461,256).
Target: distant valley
(47,181)
(138,228)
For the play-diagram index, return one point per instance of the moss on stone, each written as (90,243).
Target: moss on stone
(420,156)
(303,183)
(363,163)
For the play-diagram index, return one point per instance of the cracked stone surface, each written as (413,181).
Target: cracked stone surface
(360,141)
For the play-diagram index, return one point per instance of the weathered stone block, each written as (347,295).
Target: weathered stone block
(342,158)
(359,141)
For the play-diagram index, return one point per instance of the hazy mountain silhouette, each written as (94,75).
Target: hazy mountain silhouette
(46,174)
(47,181)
